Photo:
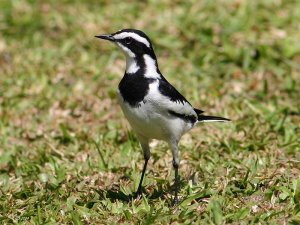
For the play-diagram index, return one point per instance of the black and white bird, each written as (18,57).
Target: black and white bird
(153,107)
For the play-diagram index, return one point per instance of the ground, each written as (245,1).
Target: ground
(67,155)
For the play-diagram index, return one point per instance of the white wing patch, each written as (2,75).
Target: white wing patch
(134,36)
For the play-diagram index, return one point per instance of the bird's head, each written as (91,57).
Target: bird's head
(134,43)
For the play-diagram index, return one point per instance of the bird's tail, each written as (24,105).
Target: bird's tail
(203,118)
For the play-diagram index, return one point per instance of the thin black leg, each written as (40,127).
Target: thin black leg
(176,184)
(139,190)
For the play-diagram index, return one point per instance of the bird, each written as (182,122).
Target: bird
(152,106)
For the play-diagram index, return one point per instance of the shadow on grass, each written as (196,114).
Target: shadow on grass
(115,193)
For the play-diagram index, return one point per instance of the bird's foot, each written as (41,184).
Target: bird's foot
(138,193)
(175,201)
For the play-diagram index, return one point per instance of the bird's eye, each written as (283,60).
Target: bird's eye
(128,40)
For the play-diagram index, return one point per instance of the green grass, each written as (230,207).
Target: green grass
(67,154)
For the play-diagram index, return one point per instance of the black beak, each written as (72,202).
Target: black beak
(106,37)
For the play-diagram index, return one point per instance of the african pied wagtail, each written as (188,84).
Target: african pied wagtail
(153,107)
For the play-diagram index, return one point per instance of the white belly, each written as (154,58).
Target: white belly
(151,123)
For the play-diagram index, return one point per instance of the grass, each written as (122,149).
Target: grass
(67,155)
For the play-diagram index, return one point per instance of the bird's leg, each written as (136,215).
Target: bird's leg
(145,147)
(174,148)
(139,190)
(176,183)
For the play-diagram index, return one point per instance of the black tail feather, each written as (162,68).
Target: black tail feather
(204,118)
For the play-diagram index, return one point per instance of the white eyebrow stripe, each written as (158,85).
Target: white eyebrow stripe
(134,36)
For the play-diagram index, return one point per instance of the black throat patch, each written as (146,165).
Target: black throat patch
(134,87)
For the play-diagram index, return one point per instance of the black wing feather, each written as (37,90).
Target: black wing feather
(168,90)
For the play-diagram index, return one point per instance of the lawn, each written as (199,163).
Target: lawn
(67,154)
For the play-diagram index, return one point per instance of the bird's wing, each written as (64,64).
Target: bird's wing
(170,100)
